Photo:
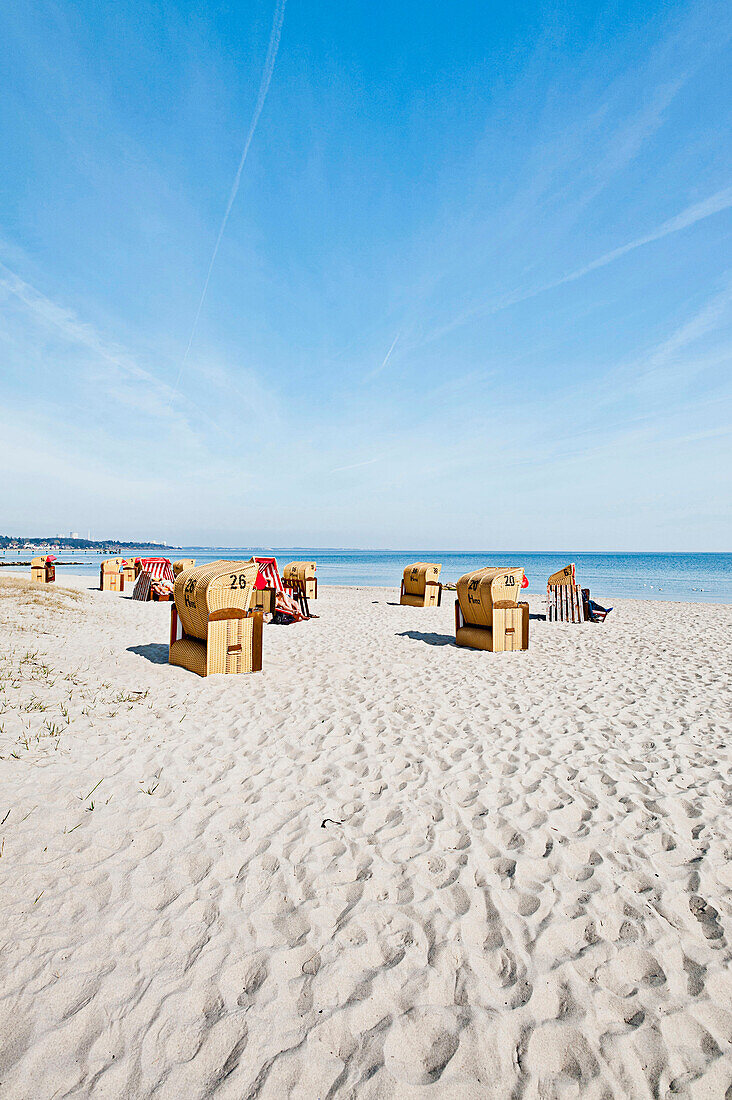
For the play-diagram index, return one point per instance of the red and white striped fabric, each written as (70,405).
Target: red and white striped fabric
(269,577)
(158,568)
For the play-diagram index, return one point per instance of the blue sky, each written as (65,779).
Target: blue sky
(474,290)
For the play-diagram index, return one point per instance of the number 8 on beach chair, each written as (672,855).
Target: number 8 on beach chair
(212,628)
(421,585)
(487,614)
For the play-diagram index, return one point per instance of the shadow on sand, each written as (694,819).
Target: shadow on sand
(430,639)
(155,652)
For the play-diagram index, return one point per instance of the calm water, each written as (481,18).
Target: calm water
(694,577)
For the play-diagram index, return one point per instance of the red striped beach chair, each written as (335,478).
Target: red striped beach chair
(155,580)
(270,594)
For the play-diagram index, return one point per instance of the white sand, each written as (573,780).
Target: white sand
(384,867)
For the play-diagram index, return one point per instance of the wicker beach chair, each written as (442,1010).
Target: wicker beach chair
(43,570)
(182,564)
(568,602)
(128,570)
(300,575)
(286,604)
(421,585)
(212,627)
(487,613)
(154,579)
(111,575)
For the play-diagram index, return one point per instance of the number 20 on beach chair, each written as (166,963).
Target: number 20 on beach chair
(487,613)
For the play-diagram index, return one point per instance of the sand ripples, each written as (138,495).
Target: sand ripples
(385,867)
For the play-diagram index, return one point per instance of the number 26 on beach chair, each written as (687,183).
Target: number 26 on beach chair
(212,628)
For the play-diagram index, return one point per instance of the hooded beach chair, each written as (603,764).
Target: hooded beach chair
(421,585)
(300,575)
(212,626)
(43,570)
(271,596)
(128,570)
(182,564)
(487,613)
(111,575)
(567,602)
(154,580)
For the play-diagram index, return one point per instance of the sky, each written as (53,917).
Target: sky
(337,273)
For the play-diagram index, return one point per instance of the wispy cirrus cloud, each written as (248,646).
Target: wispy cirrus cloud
(66,323)
(685,219)
(356,465)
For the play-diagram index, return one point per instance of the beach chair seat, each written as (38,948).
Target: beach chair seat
(212,627)
(487,614)
(421,585)
(160,590)
(43,570)
(594,612)
(301,574)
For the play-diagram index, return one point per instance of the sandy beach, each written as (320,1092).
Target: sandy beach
(383,867)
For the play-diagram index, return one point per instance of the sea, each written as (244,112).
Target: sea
(697,578)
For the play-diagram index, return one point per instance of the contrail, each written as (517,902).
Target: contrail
(269,64)
(714,204)
(387,357)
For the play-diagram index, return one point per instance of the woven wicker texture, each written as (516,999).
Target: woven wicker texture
(302,572)
(416,577)
(407,600)
(43,570)
(234,645)
(299,571)
(110,575)
(479,590)
(189,653)
(128,570)
(474,637)
(182,565)
(563,576)
(213,587)
(111,565)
